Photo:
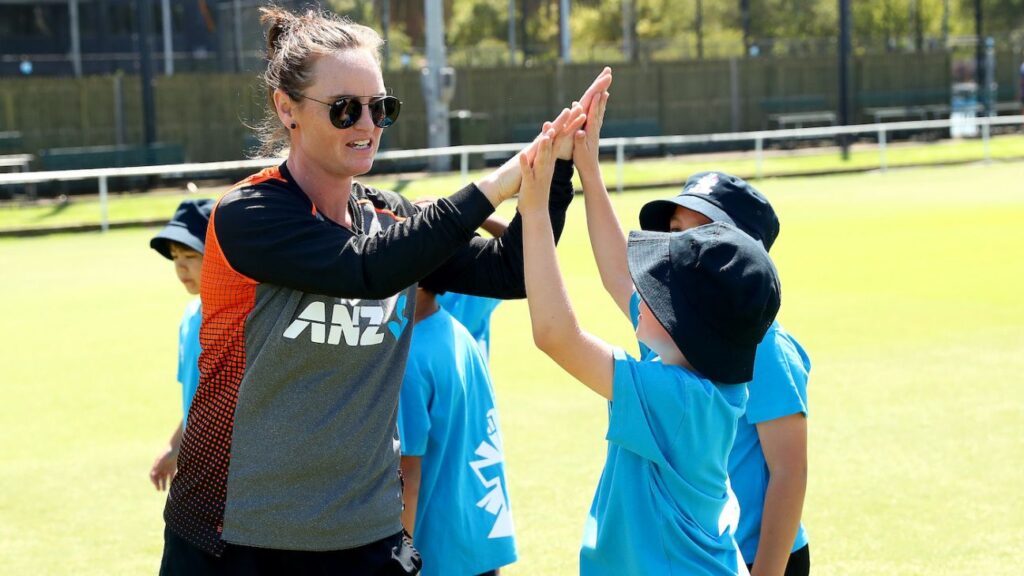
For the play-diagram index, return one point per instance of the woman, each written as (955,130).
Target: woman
(290,458)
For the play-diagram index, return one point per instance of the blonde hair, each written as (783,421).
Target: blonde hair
(293,43)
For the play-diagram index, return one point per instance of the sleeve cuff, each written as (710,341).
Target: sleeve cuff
(621,406)
(471,207)
(562,177)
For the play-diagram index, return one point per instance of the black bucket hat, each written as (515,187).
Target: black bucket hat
(714,289)
(188,227)
(722,198)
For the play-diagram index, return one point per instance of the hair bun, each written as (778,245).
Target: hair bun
(278,21)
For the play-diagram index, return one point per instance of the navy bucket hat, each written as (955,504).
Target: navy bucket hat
(722,198)
(187,227)
(714,289)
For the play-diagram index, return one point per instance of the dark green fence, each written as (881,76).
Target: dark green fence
(208,114)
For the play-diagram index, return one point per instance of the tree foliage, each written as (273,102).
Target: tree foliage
(672,25)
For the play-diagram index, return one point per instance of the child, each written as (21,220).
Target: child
(456,495)
(707,297)
(183,242)
(474,312)
(768,463)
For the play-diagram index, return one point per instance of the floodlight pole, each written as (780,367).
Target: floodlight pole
(511,32)
(385,28)
(143,25)
(437,83)
(565,39)
(844,74)
(745,15)
(979,49)
(629,42)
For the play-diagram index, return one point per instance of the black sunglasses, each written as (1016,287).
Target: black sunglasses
(345,111)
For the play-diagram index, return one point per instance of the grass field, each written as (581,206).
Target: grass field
(906,289)
(637,172)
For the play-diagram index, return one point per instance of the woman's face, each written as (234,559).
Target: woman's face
(340,152)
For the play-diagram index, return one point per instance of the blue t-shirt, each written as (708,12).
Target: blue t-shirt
(447,416)
(663,505)
(188,355)
(473,312)
(779,389)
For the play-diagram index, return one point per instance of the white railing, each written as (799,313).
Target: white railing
(464,152)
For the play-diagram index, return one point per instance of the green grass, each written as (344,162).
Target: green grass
(905,288)
(128,207)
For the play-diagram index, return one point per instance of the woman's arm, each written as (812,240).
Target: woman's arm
(268,233)
(556,330)
(606,237)
(784,442)
(166,464)
(494,267)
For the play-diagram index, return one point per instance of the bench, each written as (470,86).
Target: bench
(10,142)
(893,113)
(796,112)
(17,163)
(801,119)
(81,158)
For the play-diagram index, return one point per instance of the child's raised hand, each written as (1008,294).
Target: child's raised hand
(587,141)
(536,185)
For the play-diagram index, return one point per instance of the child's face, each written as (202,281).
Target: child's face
(684,219)
(188,264)
(654,336)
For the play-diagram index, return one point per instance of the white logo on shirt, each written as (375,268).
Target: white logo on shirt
(358,324)
(495,501)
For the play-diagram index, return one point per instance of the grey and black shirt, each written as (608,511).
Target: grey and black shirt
(291,440)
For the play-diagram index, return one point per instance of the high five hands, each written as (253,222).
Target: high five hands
(575,133)
(505,182)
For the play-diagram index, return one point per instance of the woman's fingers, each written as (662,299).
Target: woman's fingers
(599,85)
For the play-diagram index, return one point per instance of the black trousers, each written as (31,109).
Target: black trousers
(392,556)
(799,562)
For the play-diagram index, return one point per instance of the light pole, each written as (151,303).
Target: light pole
(146,70)
(844,73)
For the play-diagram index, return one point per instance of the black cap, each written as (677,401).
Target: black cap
(188,227)
(722,198)
(714,289)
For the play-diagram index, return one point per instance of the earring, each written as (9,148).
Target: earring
(294,126)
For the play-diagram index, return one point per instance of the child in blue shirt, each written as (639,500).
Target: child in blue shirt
(456,495)
(768,463)
(474,312)
(183,241)
(707,296)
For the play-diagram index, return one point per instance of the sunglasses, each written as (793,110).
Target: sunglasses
(346,111)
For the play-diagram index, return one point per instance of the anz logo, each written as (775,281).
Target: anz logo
(357,324)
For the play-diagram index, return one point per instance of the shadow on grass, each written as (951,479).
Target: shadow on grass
(55,210)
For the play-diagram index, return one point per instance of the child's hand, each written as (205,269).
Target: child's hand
(164,468)
(587,141)
(536,187)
